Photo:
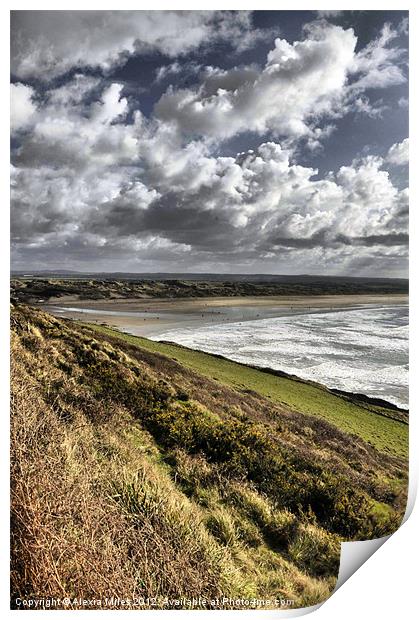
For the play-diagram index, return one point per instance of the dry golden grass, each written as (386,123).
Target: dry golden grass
(94,518)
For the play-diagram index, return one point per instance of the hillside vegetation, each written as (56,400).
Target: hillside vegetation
(33,289)
(385,428)
(135,475)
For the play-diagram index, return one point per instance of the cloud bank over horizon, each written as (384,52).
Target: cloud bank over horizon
(139,144)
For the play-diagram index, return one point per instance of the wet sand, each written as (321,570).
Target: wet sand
(151,317)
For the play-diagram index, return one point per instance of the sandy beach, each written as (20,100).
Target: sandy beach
(150,317)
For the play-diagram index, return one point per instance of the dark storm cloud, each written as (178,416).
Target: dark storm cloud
(390,239)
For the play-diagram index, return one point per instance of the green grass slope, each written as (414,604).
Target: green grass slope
(377,426)
(135,476)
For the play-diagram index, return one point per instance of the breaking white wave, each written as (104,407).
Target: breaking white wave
(362,349)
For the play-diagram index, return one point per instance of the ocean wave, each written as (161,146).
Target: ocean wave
(359,350)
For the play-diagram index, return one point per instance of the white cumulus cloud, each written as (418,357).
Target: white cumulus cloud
(301,83)
(22,106)
(46,44)
(95,179)
(398,154)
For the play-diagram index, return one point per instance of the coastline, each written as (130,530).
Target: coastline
(382,424)
(370,403)
(155,319)
(153,316)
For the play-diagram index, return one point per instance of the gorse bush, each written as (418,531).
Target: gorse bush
(244,449)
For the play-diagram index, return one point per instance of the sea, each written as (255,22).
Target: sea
(361,349)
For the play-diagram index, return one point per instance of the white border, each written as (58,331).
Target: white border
(385,587)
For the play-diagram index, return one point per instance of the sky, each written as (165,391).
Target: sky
(210,141)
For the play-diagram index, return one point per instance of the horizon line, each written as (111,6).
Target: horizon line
(203,273)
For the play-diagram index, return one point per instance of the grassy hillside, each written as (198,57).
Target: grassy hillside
(136,475)
(383,428)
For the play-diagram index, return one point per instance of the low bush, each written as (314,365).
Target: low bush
(242,448)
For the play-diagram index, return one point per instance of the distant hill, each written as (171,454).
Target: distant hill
(33,289)
(205,277)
